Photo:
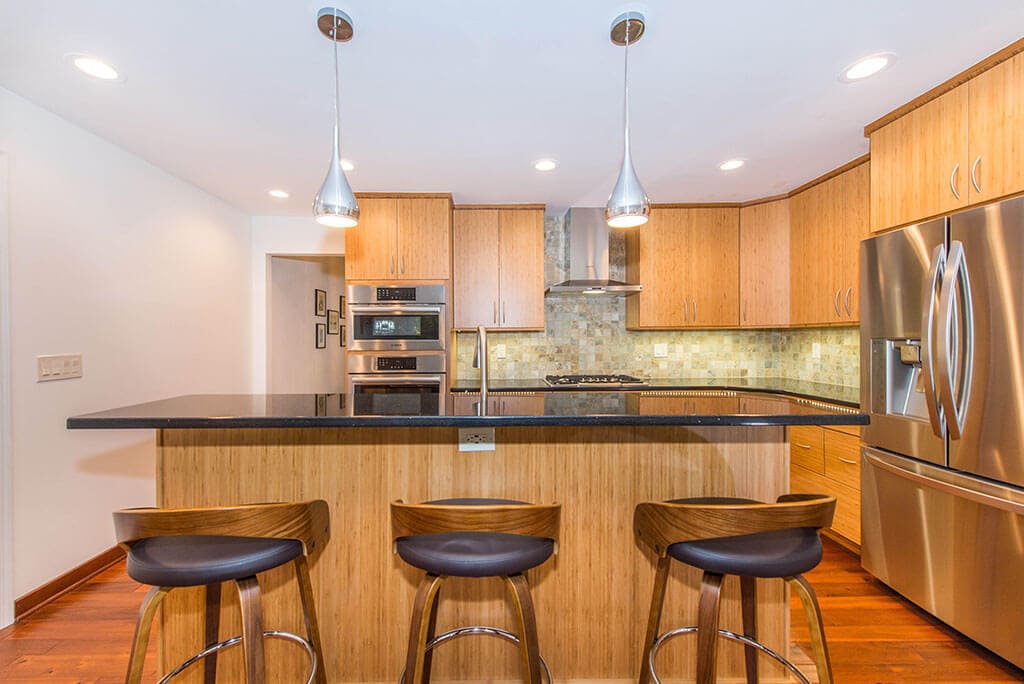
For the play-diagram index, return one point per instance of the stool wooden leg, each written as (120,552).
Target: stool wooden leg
(748,591)
(422,612)
(137,660)
(654,619)
(428,656)
(707,628)
(212,632)
(252,629)
(529,648)
(813,612)
(309,614)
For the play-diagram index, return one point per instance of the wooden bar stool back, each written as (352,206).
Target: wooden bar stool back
(189,547)
(474,538)
(728,536)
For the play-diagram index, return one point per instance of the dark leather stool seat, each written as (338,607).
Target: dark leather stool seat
(733,536)
(189,560)
(205,547)
(478,538)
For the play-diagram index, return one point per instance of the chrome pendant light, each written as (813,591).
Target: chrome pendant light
(628,205)
(335,205)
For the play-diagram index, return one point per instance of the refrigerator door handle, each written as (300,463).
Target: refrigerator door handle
(955,405)
(935,274)
(874,460)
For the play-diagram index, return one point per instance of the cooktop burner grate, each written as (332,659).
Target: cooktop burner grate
(592,379)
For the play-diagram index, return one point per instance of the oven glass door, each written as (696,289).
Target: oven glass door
(397,395)
(389,328)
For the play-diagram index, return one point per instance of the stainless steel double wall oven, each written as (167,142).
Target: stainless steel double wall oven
(398,349)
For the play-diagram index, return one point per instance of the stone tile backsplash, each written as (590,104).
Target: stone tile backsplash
(587,334)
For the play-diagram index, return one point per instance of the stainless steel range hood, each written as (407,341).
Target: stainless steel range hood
(588,256)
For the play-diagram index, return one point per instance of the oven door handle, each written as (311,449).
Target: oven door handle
(378,309)
(385,379)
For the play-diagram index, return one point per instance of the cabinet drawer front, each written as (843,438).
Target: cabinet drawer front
(805,448)
(842,458)
(847,518)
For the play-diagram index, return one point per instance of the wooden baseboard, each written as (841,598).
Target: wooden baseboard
(42,595)
(851,546)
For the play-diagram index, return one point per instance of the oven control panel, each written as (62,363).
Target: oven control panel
(396,363)
(396,294)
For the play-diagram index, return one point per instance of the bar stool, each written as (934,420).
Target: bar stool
(191,547)
(473,538)
(728,536)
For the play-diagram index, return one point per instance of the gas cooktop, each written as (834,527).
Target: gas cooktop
(592,380)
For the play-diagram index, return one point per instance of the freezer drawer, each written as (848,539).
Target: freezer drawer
(954,545)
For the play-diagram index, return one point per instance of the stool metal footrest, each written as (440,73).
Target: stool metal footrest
(743,639)
(233,641)
(468,631)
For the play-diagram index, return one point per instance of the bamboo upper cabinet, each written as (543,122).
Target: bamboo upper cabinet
(400,238)
(764,265)
(687,259)
(827,223)
(963,148)
(499,268)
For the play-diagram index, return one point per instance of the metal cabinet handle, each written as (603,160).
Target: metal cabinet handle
(849,293)
(686,311)
(802,446)
(744,311)
(846,460)
(974,177)
(403,265)
(495,303)
(392,264)
(835,301)
(952,182)
(694,302)
(504,311)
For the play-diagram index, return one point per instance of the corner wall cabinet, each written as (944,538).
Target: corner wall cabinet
(962,148)
(827,223)
(400,238)
(827,461)
(764,265)
(687,259)
(499,267)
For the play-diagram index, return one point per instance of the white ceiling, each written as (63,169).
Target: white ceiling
(235,97)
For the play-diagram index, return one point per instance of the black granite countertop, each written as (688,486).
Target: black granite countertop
(838,394)
(678,405)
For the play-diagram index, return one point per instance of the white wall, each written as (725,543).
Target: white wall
(295,365)
(6,488)
(146,276)
(281,235)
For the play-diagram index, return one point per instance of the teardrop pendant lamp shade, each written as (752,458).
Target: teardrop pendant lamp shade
(335,205)
(628,205)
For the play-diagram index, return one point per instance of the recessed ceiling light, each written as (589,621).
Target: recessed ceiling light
(279,194)
(731,164)
(545,164)
(867,66)
(94,67)
(347,165)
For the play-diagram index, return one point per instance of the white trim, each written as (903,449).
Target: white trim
(6,452)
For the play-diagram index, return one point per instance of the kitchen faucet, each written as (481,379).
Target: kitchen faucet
(480,361)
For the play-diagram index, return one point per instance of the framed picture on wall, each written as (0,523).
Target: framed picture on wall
(321,336)
(341,304)
(332,322)
(342,336)
(320,302)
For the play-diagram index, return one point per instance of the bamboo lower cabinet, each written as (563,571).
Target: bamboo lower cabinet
(591,599)
(498,259)
(827,461)
(687,259)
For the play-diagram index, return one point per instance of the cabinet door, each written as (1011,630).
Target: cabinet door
(764,265)
(521,269)
(812,300)
(476,267)
(996,106)
(848,207)
(919,163)
(370,246)
(714,268)
(424,239)
(661,265)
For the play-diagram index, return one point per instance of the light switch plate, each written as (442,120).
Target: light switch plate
(58,367)
(499,351)
(660,350)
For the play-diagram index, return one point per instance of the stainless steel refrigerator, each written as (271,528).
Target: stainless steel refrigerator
(942,376)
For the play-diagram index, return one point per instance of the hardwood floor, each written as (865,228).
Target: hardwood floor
(875,637)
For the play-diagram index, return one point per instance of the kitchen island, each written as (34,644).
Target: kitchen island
(596,453)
